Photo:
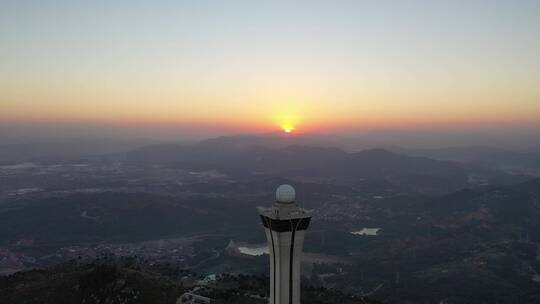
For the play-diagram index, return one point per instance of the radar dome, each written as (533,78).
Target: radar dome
(285,194)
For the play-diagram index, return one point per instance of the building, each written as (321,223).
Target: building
(285,224)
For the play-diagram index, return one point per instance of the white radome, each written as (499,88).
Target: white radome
(285,194)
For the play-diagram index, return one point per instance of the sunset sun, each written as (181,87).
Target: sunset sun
(287,128)
(288,120)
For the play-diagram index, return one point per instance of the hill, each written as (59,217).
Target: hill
(506,160)
(323,165)
(127,281)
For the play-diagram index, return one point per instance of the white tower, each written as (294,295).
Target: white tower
(285,224)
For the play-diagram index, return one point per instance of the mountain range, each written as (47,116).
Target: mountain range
(241,157)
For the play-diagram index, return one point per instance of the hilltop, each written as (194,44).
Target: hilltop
(127,281)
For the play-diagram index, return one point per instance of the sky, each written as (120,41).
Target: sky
(223,67)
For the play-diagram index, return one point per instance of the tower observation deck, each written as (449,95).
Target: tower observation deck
(285,224)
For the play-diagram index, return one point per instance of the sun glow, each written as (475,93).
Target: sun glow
(287,118)
(287,129)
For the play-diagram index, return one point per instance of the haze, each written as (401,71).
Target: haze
(196,69)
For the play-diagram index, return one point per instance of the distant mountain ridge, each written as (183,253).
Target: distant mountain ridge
(501,159)
(237,157)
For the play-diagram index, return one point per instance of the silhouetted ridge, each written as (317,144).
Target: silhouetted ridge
(242,156)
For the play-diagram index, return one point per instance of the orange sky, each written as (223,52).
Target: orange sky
(348,66)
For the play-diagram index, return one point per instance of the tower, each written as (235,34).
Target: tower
(285,224)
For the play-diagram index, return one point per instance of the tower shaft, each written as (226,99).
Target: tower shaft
(285,227)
